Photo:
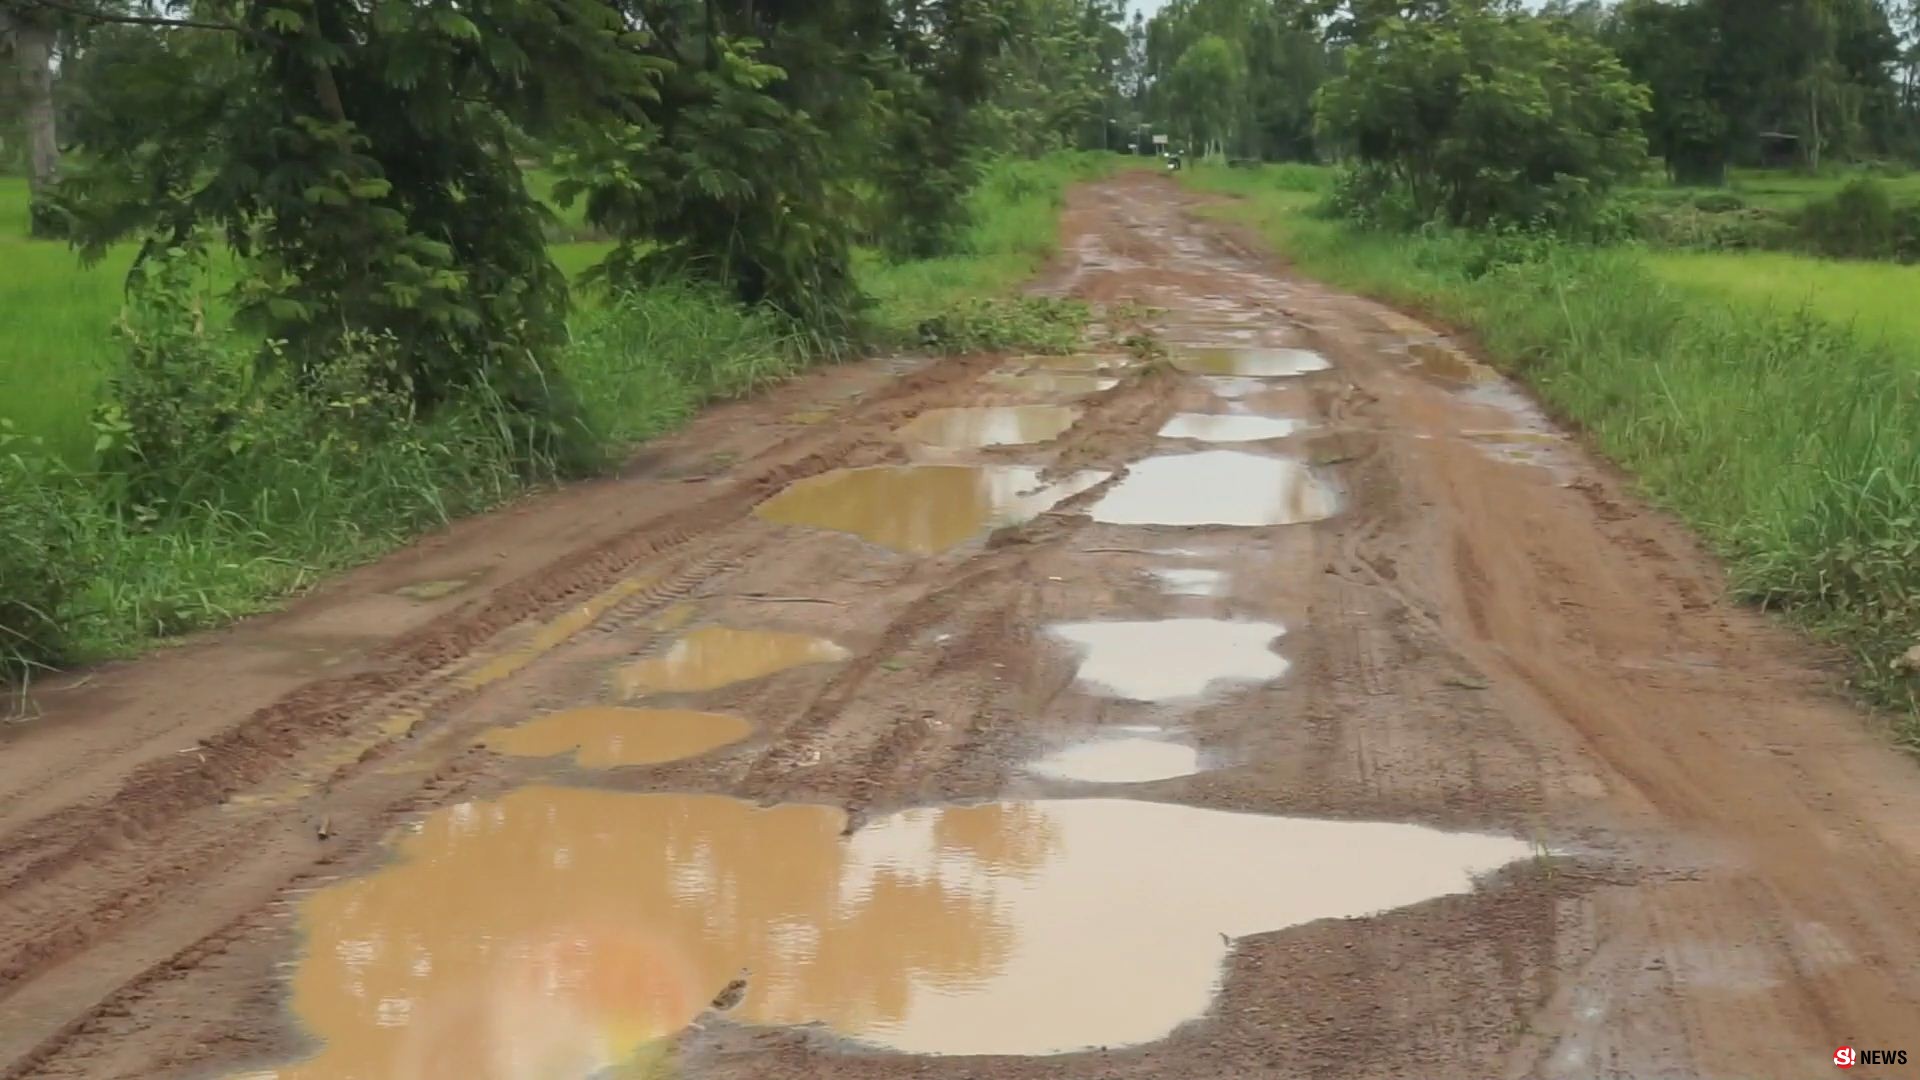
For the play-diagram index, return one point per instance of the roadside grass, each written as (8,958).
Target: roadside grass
(1791,441)
(88,571)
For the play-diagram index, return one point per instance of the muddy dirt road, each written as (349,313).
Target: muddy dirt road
(1295,702)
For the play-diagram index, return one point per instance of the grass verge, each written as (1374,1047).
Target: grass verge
(1791,441)
(94,564)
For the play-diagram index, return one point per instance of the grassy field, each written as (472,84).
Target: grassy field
(1772,401)
(87,571)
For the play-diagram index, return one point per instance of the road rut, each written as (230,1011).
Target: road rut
(1445,612)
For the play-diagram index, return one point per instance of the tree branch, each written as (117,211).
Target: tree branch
(96,15)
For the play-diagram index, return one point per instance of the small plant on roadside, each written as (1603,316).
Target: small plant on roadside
(1029,324)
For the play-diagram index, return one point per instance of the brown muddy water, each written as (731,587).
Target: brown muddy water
(607,737)
(921,509)
(1446,363)
(1007,425)
(1133,759)
(1217,487)
(561,932)
(716,656)
(1080,362)
(1253,363)
(1234,427)
(1171,659)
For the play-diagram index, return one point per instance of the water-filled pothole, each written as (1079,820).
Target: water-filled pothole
(921,509)
(1233,427)
(1051,383)
(1080,362)
(1170,659)
(606,737)
(716,656)
(1006,425)
(1255,363)
(1191,581)
(1132,760)
(1217,487)
(560,932)
(1446,363)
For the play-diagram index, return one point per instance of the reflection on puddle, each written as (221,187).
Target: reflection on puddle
(921,509)
(716,656)
(1191,582)
(606,737)
(1217,487)
(1170,659)
(1234,387)
(1214,427)
(1079,362)
(559,932)
(1042,382)
(1007,425)
(1255,363)
(1120,761)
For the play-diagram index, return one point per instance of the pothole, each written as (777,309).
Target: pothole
(1007,425)
(1171,659)
(1249,362)
(1223,428)
(1194,581)
(1049,383)
(1216,487)
(606,737)
(716,656)
(1133,759)
(560,932)
(921,509)
(1079,362)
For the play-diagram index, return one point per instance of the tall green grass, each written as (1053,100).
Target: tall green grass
(88,569)
(1789,439)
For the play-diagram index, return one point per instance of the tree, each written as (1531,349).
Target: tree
(1204,92)
(28,32)
(1480,117)
(1672,48)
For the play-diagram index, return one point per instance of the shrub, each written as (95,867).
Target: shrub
(1861,221)
(44,554)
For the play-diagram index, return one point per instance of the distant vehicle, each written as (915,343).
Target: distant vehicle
(1173,162)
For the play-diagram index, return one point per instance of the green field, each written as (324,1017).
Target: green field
(1771,400)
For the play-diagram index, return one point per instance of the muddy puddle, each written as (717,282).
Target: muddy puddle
(717,656)
(561,933)
(1226,428)
(1051,383)
(1171,659)
(921,509)
(1079,362)
(1250,363)
(1133,759)
(607,737)
(1445,363)
(1191,581)
(1008,425)
(1217,487)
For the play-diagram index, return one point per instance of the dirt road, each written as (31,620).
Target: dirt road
(1309,709)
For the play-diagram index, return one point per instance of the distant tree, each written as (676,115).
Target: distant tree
(1672,48)
(27,32)
(1481,116)
(1204,92)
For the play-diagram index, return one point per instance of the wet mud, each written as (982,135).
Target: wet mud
(1404,743)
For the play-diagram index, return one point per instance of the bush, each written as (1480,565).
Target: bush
(1477,117)
(44,554)
(1860,221)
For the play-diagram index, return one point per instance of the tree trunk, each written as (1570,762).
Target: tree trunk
(33,49)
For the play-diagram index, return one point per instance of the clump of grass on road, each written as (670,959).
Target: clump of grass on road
(1789,435)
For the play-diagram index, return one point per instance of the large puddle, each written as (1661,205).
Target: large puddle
(1134,759)
(1080,362)
(1170,659)
(1191,581)
(716,656)
(1221,428)
(559,933)
(1255,363)
(1052,383)
(1009,425)
(606,737)
(1217,487)
(921,509)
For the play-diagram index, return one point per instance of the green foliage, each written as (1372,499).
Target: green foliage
(1030,324)
(1861,221)
(44,558)
(1788,437)
(1480,117)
